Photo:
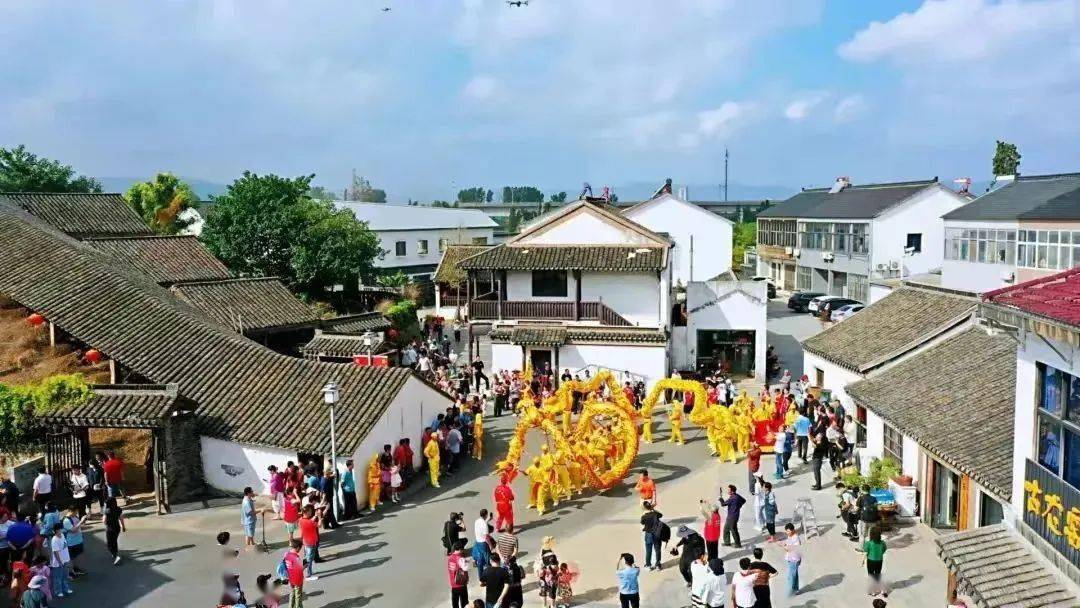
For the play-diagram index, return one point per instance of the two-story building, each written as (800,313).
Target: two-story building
(413,238)
(702,240)
(581,287)
(1027,227)
(833,240)
(1032,558)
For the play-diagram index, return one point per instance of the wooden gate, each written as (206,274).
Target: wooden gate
(64,448)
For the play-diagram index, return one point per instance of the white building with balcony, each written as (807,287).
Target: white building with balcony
(833,240)
(1025,229)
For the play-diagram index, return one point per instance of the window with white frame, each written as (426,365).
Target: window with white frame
(1049,249)
(1058,400)
(982,245)
(894,443)
(778,233)
(399,248)
(443,244)
(839,237)
(421,247)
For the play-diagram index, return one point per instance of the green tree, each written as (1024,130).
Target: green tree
(472,195)
(490,195)
(443,204)
(270,226)
(558,198)
(20,406)
(743,236)
(21,171)
(1006,159)
(361,191)
(522,194)
(161,202)
(322,194)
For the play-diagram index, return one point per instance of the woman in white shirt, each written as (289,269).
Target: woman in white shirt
(699,573)
(79,485)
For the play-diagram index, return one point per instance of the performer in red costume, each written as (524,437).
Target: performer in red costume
(504,506)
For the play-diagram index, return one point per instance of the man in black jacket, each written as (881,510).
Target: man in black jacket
(693,547)
(650,528)
(821,451)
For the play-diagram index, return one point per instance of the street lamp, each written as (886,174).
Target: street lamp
(369,342)
(330,396)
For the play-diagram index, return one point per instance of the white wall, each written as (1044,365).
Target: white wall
(231,466)
(920,214)
(836,378)
(388,238)
(519,287)
(505,356)
(910,465)
(585,227)
(722,305)
(683,222)
(648,361)
(875,440)
(635,296)
(878,291)
(411,410)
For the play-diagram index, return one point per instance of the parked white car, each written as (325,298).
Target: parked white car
(845,311)
(812,307)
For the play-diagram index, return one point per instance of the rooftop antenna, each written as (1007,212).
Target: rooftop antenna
(586,189)
(725,173)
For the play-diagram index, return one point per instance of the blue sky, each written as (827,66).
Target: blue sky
(437,95)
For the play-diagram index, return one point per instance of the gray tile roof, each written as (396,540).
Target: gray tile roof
(569,257)
(165,259)
(357,324)
(251,304)
(452,257)
(340,345)
(124,406)
(244,391)
(82,215)
(853,202)
(998,569)
(1034,197)
(955,399)
(587,334)
(898,323)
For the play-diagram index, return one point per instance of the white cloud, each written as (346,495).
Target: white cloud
(959,31)
(801,107)
(850,108)
(481,88)
(724,120)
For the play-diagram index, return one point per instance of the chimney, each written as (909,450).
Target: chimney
(841,183)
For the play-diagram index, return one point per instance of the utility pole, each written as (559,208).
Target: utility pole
(725,174)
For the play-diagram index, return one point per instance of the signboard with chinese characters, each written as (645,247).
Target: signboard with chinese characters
(1052,509)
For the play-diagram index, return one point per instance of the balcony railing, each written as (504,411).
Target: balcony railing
(556,311)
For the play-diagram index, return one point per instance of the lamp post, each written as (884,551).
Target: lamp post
(369,342)
(330,397)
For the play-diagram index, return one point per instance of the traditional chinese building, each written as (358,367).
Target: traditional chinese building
(1032,558)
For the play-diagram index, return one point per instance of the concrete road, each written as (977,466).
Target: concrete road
(395,558)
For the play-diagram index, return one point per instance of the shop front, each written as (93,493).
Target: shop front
(729,350)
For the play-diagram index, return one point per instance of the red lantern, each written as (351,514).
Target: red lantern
(35,319)
(392,333)
(93,355)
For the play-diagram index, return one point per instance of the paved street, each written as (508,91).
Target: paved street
(394,558)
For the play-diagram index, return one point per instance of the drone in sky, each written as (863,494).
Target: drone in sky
(386,9)
(518,3)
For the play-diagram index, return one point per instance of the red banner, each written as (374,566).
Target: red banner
(765,433)
(371,361)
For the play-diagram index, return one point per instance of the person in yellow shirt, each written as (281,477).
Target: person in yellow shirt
(566,411)
(374,483)
(742,433)
(646,424)
(478,437)
(675,416)
(562,474)
(727,440)
(431,450)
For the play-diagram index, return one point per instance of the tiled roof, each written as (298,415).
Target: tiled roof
(998,569)
(357,324)
(1055,297)
(82,215)
(340,345)
(853,202)
(569,257)
(123,405)
(245,392)
(166,259)
(1028,198)
(588,334)
(956,399)
(886,329)
(250,304)
(452,257)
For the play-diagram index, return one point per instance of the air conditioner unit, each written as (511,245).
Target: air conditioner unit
(828,256)
(882,267)
(894,265)
(789,250)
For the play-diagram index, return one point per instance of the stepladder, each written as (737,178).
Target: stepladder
(804,518)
